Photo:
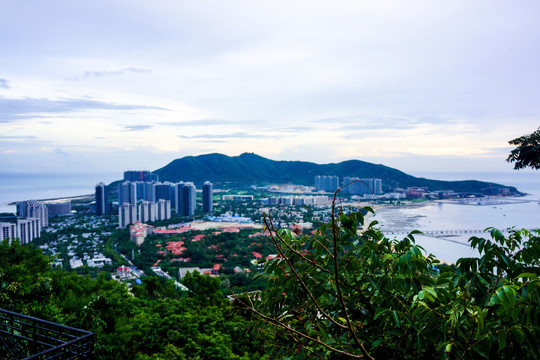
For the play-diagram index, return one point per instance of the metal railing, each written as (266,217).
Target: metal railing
(27,338)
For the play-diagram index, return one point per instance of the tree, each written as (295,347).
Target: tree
(349,292)
(527,152)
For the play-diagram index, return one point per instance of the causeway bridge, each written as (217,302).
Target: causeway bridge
(438,233)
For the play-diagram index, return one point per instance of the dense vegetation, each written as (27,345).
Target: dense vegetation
(151,321)
(350,292)
(344,291)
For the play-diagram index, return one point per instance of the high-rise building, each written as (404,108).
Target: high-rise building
(140,189)
(163,208)
(179,200)
(140,175)
(163,190)
(127,214)
(146,190)
(207,193)
(326,183)
(147,211)
(59,209)
(34,209)
(172,195)
(127,193)
(8,231)
(188,199)
(357,186)
(101,199)
(28,229)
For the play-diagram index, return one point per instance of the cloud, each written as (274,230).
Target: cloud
(371,122)
(137,127)
(4,84)
(296,129)
(27,137)
(62,152)
(202,122)
(124,71)
(25,108)
(237,135)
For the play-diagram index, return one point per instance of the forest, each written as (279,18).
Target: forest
(345,291)
(152,320)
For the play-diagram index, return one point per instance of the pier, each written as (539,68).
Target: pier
(437,233)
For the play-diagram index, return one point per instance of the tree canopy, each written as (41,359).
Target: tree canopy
(150,321)
(527,152)
(349,292)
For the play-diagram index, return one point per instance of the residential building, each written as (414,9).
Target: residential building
(166,191)
(8,231)
(59,209)
(179,200)
(357,186)
(33,209)
(127,214)
(189,199)
(237,197)
(127,193)
(147,211)
(326,183)
(163,209)
(140,175)
(101,199)
(28,229)
(207,192)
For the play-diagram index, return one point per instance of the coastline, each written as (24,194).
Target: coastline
(56,199)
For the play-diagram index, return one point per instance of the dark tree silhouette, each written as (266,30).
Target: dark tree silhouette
(527,152)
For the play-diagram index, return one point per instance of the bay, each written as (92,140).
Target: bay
(459,222)
(40,186)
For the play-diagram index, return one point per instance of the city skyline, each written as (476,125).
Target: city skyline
(417,86)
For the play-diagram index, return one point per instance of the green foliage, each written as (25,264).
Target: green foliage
(153,321)
(527,152)
(24,276)
(350,292)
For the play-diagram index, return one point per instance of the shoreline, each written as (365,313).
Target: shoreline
(56,199)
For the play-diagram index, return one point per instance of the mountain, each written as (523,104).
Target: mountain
(249,168)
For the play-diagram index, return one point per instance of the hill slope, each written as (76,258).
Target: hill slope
(249,168)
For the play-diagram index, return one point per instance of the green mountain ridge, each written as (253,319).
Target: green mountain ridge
(250,168)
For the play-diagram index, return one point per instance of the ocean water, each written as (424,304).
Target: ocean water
(470,220)
(34,186)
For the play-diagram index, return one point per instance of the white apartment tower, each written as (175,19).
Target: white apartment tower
(127,214)
(163,208)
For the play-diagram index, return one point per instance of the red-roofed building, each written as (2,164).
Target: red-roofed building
(198,237)
(139,231)
(123,272)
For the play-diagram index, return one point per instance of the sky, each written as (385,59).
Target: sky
(98,86)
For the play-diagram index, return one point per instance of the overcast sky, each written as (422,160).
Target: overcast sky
(417,85)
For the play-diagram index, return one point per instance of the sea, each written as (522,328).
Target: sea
(43,186)
(451,225)
(455,223)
